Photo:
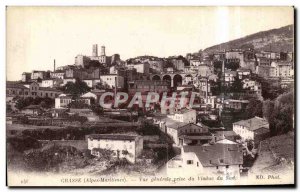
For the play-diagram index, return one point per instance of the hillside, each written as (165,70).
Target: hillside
(276,154)
(281,39)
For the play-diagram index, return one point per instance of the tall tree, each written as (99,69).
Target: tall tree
(76,89)
(254,108)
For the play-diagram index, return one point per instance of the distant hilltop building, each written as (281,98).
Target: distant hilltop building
(82,60)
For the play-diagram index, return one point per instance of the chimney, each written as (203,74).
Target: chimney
(116,84)
(54,66)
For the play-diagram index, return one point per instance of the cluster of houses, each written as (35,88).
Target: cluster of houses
(203,149)
(209,150)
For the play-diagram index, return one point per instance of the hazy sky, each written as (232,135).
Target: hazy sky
(37,35)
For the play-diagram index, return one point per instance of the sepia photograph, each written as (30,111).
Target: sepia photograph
(148,96)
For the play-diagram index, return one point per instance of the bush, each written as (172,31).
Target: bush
(23,143)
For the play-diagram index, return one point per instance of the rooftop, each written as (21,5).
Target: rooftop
(253,124)
(14,84)
(112,136)
(216,155)
(33,107)
(49,89)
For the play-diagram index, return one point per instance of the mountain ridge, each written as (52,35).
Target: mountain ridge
(278,39)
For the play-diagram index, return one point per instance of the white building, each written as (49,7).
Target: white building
(252,129)
(211,100)
(195,62)
(89,82)
(38,74)
(218,159)
(122,146)
(113,80)
(184,116)
(47,83)
(57,75)
(242,73)
(140,68)
(283,69)
(62,101)
(230,76)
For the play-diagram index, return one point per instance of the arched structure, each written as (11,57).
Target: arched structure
(168,78)
(156,78)
(177,80)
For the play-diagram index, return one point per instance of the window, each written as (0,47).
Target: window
(189,162)
(221,160)
(227,166)
(197,164)
(217,167)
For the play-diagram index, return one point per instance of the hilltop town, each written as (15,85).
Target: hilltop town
(243,103)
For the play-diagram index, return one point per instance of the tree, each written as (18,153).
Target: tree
(281,117)
(102,85)
(23,102)
(78,104)
(76,89)
(97,109)
(254,108)
(237,85)
(8,108)
(269,90)
(233,66)
(268,108)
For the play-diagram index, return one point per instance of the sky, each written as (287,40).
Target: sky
(35,36)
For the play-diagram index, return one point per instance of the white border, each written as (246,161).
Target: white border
(5,3)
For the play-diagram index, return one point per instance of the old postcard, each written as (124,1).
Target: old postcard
(150,96)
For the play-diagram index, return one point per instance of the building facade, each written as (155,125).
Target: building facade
(121,146)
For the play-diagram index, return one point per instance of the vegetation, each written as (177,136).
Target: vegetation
(97,109)
(78,104)
(76,89)
(43,102)
(280,113)
(51,158)
(22,143)
(254,108)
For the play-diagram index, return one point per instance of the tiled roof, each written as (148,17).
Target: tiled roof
(49,89)
(11,84)
(226,133)
(216,155)
(199,136)
(170,123)
(112,136)
(33,107)
(191,126)
(253,124)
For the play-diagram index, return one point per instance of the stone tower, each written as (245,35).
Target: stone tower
(102,50)
(95,50)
